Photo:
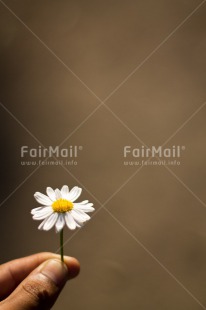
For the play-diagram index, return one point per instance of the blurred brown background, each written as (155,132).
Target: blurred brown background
(148,251)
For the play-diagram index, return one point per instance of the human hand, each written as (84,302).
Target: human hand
(34,282)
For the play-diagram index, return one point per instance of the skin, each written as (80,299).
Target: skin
(34,282)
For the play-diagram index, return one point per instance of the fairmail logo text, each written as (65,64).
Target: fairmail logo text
(154,151)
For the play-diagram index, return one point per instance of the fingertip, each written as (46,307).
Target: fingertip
(73,266)
(72,263)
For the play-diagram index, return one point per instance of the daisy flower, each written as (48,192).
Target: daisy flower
(58,208)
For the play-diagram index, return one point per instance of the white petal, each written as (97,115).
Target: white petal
(58,194)
(74,193)
(79,225)
(35,210)
(70,221)
(86,208)
(65,191)
(85,216)
(43,213)
(49,222)
(77,217)
(40,227)
(83,202)
(43,199)
(51,193)
(60,222)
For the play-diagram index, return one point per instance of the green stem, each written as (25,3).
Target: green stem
(62,245)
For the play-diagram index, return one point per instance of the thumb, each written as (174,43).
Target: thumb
(40,289)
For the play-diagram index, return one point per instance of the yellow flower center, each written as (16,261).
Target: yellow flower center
(62,205)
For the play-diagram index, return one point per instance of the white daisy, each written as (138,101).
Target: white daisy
(58,208)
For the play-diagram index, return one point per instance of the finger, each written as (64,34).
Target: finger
(41,288)
(12,273)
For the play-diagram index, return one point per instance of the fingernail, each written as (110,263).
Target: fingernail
(56,271)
